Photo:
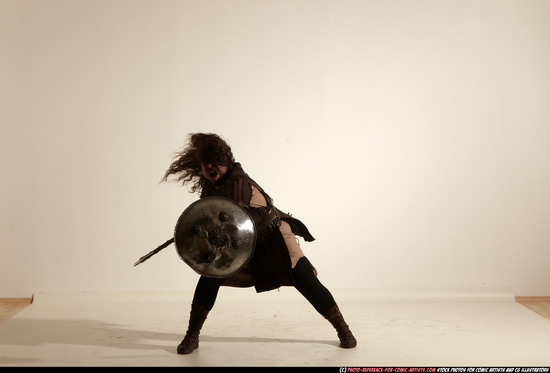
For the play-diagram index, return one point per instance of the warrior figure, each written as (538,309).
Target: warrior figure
(207,166)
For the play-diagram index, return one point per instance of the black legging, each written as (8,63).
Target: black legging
(305,281)
(207,291)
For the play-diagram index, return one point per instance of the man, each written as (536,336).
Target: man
(208,167)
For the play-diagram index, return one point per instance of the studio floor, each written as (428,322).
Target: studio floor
(277,328)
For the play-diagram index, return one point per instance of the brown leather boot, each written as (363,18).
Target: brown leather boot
(191,340)
(347,340)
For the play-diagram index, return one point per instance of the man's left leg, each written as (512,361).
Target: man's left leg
(307,283)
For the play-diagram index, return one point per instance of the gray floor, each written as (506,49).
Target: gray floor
(278,328)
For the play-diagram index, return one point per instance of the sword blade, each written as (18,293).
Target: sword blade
(150,254)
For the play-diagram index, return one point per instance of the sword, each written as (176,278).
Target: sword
(147,256)
(215,236)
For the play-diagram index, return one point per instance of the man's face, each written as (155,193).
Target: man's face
(212,172)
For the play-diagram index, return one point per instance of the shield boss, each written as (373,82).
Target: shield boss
(215,237)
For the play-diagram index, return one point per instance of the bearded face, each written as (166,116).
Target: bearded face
(213,173)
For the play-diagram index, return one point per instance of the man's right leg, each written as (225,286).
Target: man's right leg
(203,301)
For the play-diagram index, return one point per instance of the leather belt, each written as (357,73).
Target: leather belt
(271,221)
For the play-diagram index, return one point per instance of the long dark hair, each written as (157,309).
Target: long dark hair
(200,148)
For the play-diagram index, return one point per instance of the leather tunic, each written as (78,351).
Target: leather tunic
(270,264)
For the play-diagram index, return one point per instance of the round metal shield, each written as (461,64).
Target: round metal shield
(215,236)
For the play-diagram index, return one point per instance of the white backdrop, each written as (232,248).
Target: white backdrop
(412,137)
